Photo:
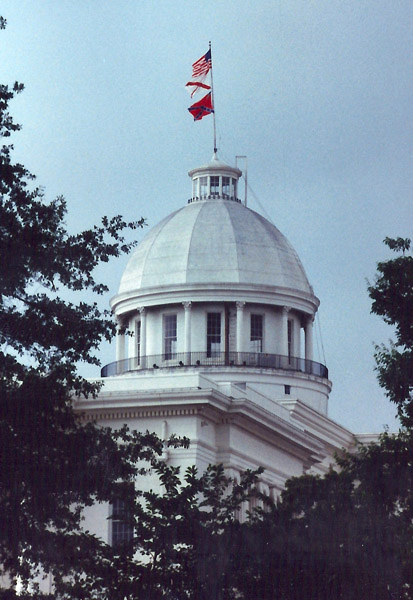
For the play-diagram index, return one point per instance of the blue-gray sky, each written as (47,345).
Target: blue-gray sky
(317,94)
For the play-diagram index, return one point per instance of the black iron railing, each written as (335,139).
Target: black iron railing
(259,360)
(214,197)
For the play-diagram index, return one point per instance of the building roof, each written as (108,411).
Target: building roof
(214,241)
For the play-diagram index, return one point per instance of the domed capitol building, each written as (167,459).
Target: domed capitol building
(222,314)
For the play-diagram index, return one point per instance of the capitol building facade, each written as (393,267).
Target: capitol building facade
(221,313)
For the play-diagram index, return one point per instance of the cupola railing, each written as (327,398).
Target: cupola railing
(214,197)
(258,360)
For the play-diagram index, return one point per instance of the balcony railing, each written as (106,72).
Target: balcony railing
(214,197)
(259,360)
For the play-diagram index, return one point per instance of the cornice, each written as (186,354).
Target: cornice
(212,405)
(132,404)
(219,292)
(282,434)
(336,436)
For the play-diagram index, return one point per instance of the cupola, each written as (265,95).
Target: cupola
(215,180)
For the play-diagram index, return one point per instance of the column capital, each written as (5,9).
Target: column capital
(240,304)
(286,309)
(187,305)
(141,310)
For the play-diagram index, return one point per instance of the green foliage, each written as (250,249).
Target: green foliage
(348,535)
(327,538)
(51,464)
(184,544)
(392,296)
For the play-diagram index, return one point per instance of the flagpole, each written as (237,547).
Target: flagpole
(213,103)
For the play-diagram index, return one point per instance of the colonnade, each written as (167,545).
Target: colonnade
(240,332)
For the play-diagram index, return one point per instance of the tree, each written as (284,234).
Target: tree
(349,535)
(51,464)
(392,295)
(184,545)
(338,537)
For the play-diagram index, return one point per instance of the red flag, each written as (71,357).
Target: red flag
(203,107)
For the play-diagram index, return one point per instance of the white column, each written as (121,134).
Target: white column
(284,331)
(240,327)
(120,341)
(142,313)
(309,339)
(187,334)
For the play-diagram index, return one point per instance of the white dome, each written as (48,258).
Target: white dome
(214,241)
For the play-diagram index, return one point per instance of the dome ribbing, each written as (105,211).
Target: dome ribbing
(214,241)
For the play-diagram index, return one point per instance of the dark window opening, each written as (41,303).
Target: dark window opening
(121,523)
(234,188)
(256,336)
(214,184)
(213,335)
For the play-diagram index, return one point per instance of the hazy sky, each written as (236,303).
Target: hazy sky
(317,94)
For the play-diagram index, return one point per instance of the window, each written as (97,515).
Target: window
(256,333)
(290,340)
(138,341)
(213,335)
(121,523)
(203,186)
(234,188)
(225,186)
(214,184)
(287,390)
(169,337)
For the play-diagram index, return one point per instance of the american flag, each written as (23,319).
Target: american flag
(202,65)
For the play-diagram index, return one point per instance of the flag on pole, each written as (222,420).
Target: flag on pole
(202,65)
(195,86)
(203,107)
(200,70)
